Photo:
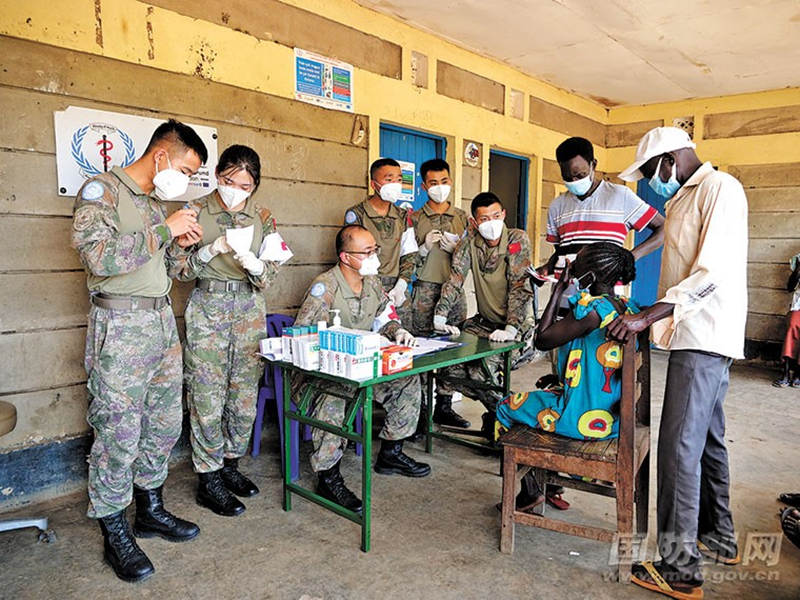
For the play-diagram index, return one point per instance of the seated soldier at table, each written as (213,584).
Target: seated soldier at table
(585,403)
(498,257)
(354,288)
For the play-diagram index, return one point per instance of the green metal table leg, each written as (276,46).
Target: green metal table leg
(506,373)
(429,405)
(366,466)
(287,439)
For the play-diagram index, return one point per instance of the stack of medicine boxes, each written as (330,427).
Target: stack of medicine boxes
(349,353)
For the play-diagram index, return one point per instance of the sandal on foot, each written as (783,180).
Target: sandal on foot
(790,499)
(781,383)
(790,523)
(647,576)
(556,501)
(719,553)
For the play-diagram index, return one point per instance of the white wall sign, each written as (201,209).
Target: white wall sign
(89,142)
(408,170)
(472,154)
(323,81)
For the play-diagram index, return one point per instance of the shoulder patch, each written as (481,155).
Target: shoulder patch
(514,248)
(264,214)
(350,217)
(318,289)
(84,217)
(92,191)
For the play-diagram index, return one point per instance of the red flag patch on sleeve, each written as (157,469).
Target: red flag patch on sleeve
(514,248)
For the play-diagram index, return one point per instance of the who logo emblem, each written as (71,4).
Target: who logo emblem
(97,147)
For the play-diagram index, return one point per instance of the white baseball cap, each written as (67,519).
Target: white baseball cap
(655,142)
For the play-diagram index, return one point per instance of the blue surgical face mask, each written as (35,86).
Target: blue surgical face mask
(668,189)
(580,187)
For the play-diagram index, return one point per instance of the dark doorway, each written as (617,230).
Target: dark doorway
(508,179)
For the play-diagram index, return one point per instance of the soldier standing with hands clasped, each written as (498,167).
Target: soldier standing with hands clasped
(438,227)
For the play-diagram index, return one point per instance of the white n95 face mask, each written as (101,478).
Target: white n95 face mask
(439,193)
(232,196)
(491,230)
(170,183)
(391,192)
(370,265)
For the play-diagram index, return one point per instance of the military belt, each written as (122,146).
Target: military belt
(234,285)
(129,302)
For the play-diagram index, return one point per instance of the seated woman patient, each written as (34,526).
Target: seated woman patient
(584,405)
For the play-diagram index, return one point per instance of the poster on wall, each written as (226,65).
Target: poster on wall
(89,142)
(408,170)
(323,81)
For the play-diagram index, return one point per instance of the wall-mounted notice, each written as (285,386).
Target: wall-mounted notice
(89,142)
(408,170)
(323,81)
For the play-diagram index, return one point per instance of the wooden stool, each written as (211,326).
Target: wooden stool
(623,463)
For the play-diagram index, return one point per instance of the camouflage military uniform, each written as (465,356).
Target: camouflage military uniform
(504,295)
(133,357)
(395,236)
(434,269)
(223,329)
(401,397)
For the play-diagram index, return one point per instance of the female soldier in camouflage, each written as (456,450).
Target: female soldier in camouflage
(225,319)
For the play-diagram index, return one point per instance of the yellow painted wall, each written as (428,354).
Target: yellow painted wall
(244,61)
(756,149)
(134,31)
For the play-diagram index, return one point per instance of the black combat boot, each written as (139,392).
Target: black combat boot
(235,481)
(153,519)
(444,414)
(392,459)
(121,550)
(331,485)
(213,494)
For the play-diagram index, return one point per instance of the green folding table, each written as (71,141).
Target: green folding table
(471,348)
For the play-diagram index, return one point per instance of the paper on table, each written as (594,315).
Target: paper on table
(274,249)
(240,239)
(425,345)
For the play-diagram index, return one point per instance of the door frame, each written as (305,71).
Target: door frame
(440,139)
(522,210)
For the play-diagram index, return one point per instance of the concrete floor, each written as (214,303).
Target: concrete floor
(432,538)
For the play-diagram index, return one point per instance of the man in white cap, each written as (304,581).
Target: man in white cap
(700,319)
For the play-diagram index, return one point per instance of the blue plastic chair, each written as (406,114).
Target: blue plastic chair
(272,389)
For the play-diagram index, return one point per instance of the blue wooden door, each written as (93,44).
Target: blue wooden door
(415,147)
(648,268)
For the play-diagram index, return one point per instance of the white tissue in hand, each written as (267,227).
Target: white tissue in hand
(240,239)
(274,249)
(451,237)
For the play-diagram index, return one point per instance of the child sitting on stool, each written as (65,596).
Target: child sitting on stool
(585,406)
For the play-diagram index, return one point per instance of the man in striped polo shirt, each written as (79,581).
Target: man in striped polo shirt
(594,210)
